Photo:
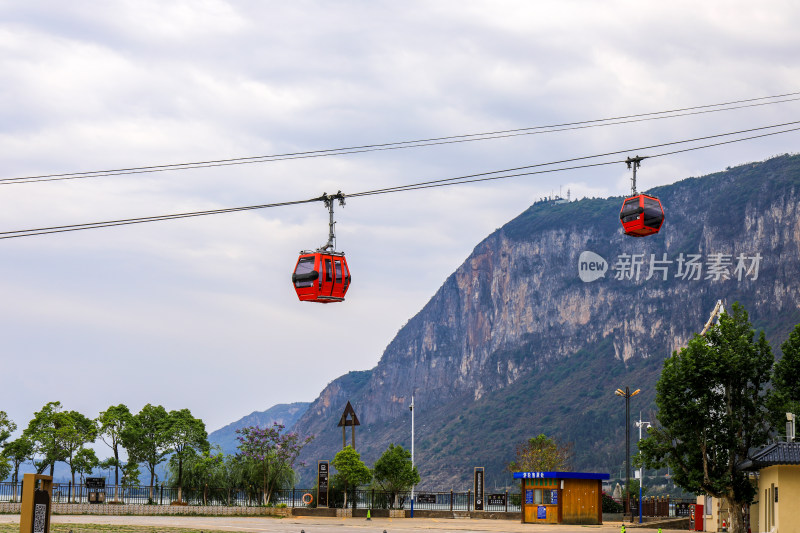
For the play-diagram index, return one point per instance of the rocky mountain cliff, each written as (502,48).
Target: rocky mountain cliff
(522,339)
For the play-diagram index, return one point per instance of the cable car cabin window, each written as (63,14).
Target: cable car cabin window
(652,213)
(630,210)
(304,266)
(346,276)
(337,265)
(328,270)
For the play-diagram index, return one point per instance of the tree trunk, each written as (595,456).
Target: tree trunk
(735,516)
(116,474)
(152,480)
(180,478)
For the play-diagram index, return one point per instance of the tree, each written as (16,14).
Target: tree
(42,432)
(785,382)
(73,432)
(7,427)
(712,411)
(145,439)
(112,423)
(18,451)
(394,473)
(350,470)
(130,474)
(184,433)
(272,453)
(5,466)
(542,454)
(85,461)
(202,470)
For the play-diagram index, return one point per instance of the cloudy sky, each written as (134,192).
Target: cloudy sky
(200,312)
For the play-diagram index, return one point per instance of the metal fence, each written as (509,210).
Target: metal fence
(157,495)
(253,497)
(296,497)
(428,501)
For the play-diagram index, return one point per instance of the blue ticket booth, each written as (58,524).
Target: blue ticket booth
(561,497)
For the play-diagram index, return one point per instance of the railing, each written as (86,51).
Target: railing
(358,499)
(425,500)
(253,497)
(157,495)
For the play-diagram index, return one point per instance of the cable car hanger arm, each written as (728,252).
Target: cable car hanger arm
(328,200)
(635,162)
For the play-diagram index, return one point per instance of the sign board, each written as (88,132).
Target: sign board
(95,482)
(529,497)
(41,511)
(683,509)
(541,513)
(322,483)
(423,497)
(479,488)
(497,499)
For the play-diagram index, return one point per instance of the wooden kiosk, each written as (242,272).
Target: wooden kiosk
(561,497)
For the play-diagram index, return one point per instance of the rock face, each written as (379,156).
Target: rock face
(521,339)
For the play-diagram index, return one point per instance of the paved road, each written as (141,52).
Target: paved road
(328,525)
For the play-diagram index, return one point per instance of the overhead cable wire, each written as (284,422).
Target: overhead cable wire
(535,130)
(471,178)
(432,185)
(140,220)
(696,139)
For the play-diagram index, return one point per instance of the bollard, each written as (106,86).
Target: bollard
(368,515)
(622,528)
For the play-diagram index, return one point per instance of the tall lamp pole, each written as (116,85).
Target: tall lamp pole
(640,424)
(627,394)
(412,448)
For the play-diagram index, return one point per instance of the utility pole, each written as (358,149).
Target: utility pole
(627,394)
(640,424)
(412,445)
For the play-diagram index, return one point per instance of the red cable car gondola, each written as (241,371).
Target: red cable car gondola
(323,275)
(641,214)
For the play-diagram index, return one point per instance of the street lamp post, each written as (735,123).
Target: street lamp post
(640,424)
(412,452)
(627,394)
